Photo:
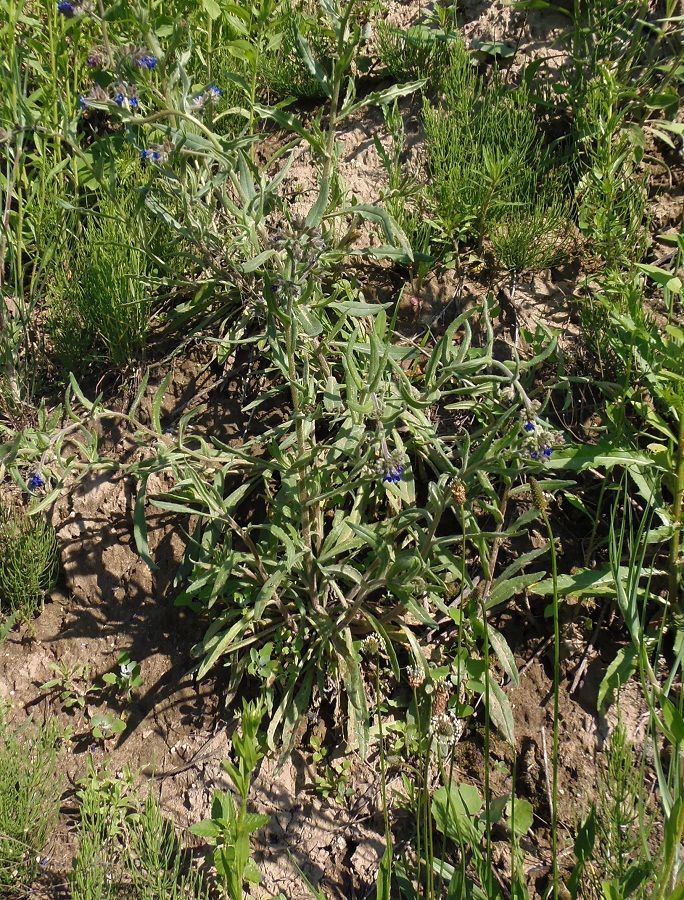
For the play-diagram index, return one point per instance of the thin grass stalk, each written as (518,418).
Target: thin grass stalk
(540,503)
(677,509)
(487,726)
(383,762)
(459,645)
(419,829)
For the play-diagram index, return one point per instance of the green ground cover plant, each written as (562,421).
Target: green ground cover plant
(127,847)
(28,561)
(393,488)
(30,790)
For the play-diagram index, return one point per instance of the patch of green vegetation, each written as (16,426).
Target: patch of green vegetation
(30,791)
(100,303)
(486,157)
(28,560)
(127,847)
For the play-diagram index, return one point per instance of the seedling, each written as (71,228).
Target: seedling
(128,678)
(73,683)
(106,726)
(230,824)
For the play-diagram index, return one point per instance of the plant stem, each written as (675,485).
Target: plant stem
(305,509)
(541,506)
(677,509)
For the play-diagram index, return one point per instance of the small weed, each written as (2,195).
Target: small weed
(485,153)
(127,678)
(73,684)
(230,825)
(420,51)
(28,560)
(105,726)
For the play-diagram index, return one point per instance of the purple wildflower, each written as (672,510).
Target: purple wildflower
(65,8)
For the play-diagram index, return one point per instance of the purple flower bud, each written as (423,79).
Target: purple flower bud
(65,8)
(529,426)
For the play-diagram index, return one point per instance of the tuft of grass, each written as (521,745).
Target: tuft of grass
(484,149)
(100,304)
(415,52)
(620,855)
(534,237)
(28,560)
(30,789)
(283,71)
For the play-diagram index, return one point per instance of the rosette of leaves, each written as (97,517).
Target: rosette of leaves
(28,560)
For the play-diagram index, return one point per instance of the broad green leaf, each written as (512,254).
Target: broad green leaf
(618,673)
(522,821)
(455,811)
(212,9)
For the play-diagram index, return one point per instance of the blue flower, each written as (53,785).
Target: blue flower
(154,155)
(83,102)
(36,481)
(546,452)
(534,454)
(119,99)
(393,475)
(65,8)
(529,426)
(214,92)
(133,102)
(148,62)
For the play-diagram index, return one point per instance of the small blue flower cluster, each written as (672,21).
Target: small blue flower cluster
(36,481)
(538,439)
(126,96)
(151,155)
(147,62)
(211,94)
(68,9)
(390,466)
(393,475)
